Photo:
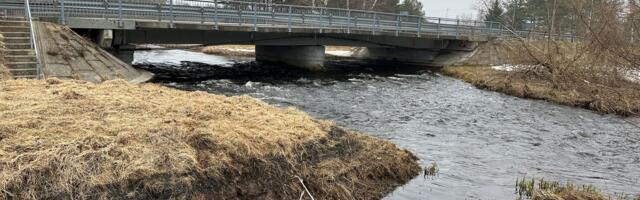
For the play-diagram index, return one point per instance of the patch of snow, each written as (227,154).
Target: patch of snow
(340,53)
(149,46)
(504,67)
(508,67)
(633,75)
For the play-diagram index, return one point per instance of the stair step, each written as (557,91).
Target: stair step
(19,58)
(13,23)
(24,72)
(17,45)
(14,29)
(17,52)
(21,65)
(9,40)
(17,34)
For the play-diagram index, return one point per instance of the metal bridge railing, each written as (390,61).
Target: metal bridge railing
(257,15)
(34,43)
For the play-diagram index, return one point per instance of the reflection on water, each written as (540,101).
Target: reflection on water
(482,141)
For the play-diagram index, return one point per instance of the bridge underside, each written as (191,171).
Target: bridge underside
(300,47)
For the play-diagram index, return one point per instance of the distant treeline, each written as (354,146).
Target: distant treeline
(563,16)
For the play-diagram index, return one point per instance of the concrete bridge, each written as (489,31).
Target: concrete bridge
(294,35)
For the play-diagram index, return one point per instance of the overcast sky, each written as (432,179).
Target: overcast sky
(438,8)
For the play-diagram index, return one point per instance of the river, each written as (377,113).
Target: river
(481,140)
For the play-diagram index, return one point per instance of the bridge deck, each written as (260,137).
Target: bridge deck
(249,16)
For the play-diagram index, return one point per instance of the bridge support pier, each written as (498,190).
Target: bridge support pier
(307,57)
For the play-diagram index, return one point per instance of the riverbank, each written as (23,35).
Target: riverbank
(75,139)
(620,97)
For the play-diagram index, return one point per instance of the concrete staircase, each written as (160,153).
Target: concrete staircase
(19,57)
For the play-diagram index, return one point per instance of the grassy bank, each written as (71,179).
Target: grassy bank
(620,97)
(4,72)
(71,139)
(540,189)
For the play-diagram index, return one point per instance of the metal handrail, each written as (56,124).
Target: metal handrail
(34,44)
(256,13)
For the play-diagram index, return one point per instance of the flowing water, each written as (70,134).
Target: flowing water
(482,141)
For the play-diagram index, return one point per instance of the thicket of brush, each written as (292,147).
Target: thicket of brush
(78,140)
(595,73)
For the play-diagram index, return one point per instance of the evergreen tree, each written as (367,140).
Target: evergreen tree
(414,7)
(516,13)
(494,12)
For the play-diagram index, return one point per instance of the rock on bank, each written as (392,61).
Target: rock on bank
(115,140)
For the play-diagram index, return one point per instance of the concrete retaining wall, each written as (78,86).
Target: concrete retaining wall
(67,55)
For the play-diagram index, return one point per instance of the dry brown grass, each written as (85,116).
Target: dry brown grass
(78,140)
(620,96)
(540,189)
(4,72)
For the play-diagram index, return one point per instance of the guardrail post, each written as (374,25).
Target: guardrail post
(289,20)
(215,14)
(322,24)
(172,16)
(373,23)
(330,19)
(303,17)
(457,28)
(240,14)
(201,15)
(491,28)
(255,17)
(419,26)
(355,22)
(438,28)
(120,23)
(63,21)
(348,21)
(106,9)
(398,25)
(159,6)
(273,16)
(473,30)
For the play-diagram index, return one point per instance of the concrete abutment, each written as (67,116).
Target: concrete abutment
(444,54)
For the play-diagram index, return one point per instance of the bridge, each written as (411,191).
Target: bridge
(294,35)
